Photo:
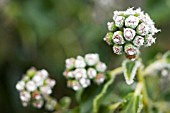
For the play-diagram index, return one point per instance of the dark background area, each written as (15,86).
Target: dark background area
(43,33)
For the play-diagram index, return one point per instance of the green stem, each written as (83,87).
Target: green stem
(112,74)
(146,99)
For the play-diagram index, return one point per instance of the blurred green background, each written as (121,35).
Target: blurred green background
(43,33)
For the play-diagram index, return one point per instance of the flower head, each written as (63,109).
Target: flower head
(90,70)
(130,30)
(35,87)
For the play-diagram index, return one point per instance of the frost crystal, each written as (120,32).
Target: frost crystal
(132,26)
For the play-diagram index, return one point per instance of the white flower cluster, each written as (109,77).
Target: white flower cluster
(82,70)
(130,30)
(35,88)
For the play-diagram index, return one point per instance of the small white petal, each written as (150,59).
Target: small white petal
(84,82)
(70,63)
(31,86)
(91,59)
(80,62)
(25,96)
(101,67)
(45,90)
(80,73)
(91,73)
(20,85)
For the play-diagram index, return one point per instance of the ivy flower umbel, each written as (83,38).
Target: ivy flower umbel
(81,71)
(130,30)
(35,88)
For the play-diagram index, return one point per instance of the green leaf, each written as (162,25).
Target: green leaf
(130,69)
(133,104)
(99,97)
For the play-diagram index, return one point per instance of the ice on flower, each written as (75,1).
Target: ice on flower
(119,21)
(132,22)
(108,38)
(89,70)
(118,37)
(129,34)
(142,29)
(138,41)
(131,26)
(149,40)
(117,49)
(130,49)
(111,26)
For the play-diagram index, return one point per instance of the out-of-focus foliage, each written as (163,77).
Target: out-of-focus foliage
(42,33)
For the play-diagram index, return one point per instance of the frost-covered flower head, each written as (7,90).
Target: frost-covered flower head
(81,71)
(130,30)
(35,88)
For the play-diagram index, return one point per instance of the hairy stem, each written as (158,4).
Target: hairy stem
(96,101)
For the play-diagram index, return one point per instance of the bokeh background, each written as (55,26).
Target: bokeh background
(43,33)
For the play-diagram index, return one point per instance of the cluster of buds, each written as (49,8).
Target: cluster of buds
(81,71)
(130,30)
(35,88)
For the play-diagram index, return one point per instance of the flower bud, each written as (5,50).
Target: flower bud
(108,38)
(20,85)
(130,49)
(45,90)
(111,26)
(31,86)
(50,104)
(118,37)
(68,74)
(129,34)
(142,29)
(100,78)
(91,72)
(25,96)
(138,41)
(70,63)
(149,40)
(132,22)
(78,77)
(84,82)
(80,62)
(50,82)
(38,103)
(91,59)
(80,73)
(101,67)
(36,95)
(38,80)
(74,84)
(117,49)
(119,21)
